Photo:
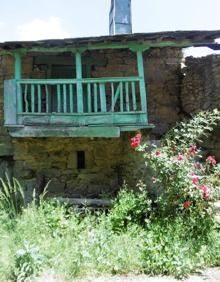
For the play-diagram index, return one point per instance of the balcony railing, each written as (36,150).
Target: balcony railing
(116,102)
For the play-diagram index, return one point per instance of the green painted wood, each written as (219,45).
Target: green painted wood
(64,99)
(71,97)
(39,98)
(113,96)
(19,98)
(121,97)
(109,45)
(89,98)
(102,97)
(58,98)
(79,83)
(127,101)
(47,131)
(47,99)
(32,98)
(10,102)
(143,93)
(84,80)
(17,66)
(133,89)
(95,97)
(116,95)
(86,119)
(26,98)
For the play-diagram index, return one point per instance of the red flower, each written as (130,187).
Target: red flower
(180,157)
(211,160)
(186,204)
(135,141)
(157,152)
(192,150)
(195,180)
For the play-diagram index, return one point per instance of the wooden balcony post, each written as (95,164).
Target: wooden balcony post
(143,93)
(17,66)
(79,82)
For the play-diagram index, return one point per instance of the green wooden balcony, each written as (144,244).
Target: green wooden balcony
(74,107)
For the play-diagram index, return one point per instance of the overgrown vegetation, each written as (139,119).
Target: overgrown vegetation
(174,234)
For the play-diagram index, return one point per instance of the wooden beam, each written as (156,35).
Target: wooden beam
(48,131)
(79,83)
(143,93)
(17,66)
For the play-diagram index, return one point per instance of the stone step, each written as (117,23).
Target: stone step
(217,218)
(216,206)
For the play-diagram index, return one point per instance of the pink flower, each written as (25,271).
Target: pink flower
(157,152)
(135,141)
(180,157)
(186,204)
(211,160)
(204,190)
(195,180)
(192,150)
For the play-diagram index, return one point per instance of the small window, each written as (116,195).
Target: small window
(80,160)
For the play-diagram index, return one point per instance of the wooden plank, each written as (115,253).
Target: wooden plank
(10,102)
(121,97)
(117,119)
(47,99)
(102,97)
(19,98)
(113,96)
(58,98)
(71,97)
(26,98)
(95,97)
(127,97)
(17,66)
(116,95)
(39,98)
(32,98)
(79,83)
(47,131)
(143,93)
(64,99)
(133,96)
(89,98)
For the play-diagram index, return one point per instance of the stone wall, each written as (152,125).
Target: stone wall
(201,91)
(172,94)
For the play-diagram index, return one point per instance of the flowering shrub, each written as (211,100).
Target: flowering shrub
(182,175)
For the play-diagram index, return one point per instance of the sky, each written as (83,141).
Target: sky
(46,19)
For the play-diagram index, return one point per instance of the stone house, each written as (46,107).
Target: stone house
(69,107)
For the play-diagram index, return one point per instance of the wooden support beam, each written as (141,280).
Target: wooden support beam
(79,83)
(143,93)
(17,66)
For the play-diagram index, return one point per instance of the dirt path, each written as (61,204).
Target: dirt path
(209,275)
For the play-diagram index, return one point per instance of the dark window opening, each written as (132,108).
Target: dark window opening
(81,160)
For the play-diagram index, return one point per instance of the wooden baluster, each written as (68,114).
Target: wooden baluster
(121,97)
(113,96)
(127,96)
(133,96)
(26,98)
(48,104)
(32,98)
(58,99)
(71,97)
(95,98)
(102,97)
(64,99)
(39,97)
(116,95)
(89,98)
